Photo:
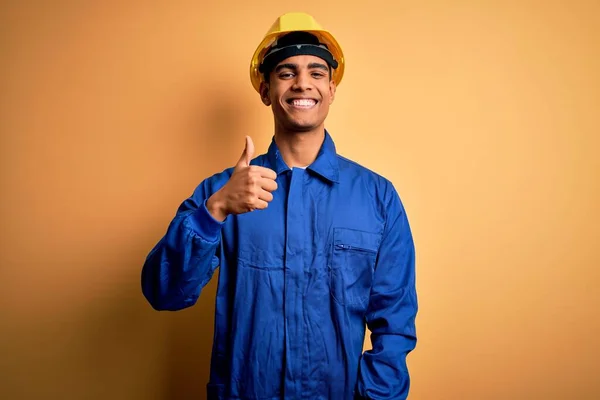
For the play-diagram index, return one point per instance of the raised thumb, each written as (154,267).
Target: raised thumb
(248,153)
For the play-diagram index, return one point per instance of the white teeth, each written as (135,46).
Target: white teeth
(304,103)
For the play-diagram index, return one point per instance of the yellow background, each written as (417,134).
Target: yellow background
(483,114)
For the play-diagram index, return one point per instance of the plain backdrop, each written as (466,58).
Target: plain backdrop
(484,115)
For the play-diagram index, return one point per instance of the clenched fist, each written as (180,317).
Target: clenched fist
(249,188)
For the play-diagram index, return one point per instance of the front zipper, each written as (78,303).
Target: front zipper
(353,248)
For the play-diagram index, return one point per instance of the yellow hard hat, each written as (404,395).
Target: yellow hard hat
(294,22)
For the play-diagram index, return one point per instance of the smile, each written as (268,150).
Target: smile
(302,103)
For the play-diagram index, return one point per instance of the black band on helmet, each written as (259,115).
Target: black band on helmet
(296,44)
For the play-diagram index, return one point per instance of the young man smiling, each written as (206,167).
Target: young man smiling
(311,247)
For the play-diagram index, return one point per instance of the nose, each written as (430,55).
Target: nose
(302,82)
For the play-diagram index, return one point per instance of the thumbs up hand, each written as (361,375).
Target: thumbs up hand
(249,188)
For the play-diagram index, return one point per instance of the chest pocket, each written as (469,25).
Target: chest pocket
(352,265)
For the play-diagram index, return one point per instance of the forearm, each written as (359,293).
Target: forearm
(183,261)
(383,370)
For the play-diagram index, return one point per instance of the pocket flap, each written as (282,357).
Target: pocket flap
(356,239)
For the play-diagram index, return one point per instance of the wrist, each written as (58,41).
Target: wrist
(216,207)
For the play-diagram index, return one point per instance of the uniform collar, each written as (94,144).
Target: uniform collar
(325,165)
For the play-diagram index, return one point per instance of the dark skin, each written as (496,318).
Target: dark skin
(299,91)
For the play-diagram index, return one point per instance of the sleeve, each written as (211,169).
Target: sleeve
(184,260)
(383,373)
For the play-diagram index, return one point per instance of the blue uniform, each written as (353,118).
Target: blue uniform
(297,283)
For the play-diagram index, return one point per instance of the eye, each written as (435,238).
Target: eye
(286,75)
(318,75)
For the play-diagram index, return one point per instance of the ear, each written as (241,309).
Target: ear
(264,93)
(332,88)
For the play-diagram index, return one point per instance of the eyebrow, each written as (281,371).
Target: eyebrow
(294,67)
(286,66)
(319,66)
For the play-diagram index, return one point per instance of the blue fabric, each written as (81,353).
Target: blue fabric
(297,283)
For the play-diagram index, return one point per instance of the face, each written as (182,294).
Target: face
(299,92)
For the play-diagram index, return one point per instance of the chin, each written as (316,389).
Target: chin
(302,126)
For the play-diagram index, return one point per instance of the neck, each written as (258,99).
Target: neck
(299,149)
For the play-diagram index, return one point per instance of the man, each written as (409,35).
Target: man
(311,246)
